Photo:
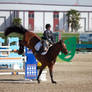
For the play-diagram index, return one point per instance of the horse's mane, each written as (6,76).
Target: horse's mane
(54,45)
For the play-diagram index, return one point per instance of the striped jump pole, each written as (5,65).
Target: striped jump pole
(12,73)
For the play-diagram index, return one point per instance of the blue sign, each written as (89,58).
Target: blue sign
(85,37)
(30,65)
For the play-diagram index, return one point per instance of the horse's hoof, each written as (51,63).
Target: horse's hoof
(20,52)
(54,82)
(38,81)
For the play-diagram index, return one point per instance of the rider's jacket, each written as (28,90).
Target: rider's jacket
(48,35)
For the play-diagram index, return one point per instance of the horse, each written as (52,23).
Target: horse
(30,39)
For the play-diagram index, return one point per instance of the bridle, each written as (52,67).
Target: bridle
(63,48)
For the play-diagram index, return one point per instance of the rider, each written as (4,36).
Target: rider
(47,36)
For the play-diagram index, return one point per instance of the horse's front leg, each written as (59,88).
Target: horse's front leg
(21,46)
(41,69)
(51,73)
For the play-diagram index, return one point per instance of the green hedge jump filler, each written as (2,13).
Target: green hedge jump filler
(71,47)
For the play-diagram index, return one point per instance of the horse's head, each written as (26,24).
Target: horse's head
(63,47)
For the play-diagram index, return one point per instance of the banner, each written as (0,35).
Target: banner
(30,65)
(71,47)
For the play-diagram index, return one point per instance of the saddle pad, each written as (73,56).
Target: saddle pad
(37,46)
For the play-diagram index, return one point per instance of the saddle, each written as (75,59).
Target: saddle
(42,47)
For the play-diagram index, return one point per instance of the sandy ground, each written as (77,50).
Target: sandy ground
(71,77)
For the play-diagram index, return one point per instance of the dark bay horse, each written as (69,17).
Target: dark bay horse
(30,39)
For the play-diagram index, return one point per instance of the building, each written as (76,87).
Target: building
(35,16)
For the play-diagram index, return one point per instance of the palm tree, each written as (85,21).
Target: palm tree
(73,18)
(16,21)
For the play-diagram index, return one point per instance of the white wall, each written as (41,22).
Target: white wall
(38,21)
(26,20)
(41,19)
(49,19)
(83,22)
(90,21)
(61,20)
(82,25)
(21,17)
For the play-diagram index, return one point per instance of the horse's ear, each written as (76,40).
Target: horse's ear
(61,41)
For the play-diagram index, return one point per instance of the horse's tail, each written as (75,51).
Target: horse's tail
(15,29)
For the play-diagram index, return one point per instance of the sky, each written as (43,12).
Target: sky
(68,2)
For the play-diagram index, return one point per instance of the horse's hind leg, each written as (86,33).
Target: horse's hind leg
(51,73)
(41,69)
